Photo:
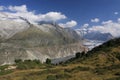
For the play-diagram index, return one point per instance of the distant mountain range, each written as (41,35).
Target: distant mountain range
(94,35)
(98,36)
(92,39)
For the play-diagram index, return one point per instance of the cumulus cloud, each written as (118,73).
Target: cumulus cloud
(52,16)
(22,11)
(107,27)
(22,8)
(116,13)
(69,24)
(95,20)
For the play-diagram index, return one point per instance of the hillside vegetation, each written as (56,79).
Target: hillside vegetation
(101,63)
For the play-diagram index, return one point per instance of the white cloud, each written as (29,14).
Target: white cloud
(52,16)
(107,22)
(116,13)
(85,25)
(84,28)
(69,24)
(95,20)
(107,27)
(22,11)
(22,8)
(2,8)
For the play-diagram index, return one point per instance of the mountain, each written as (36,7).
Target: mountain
(24,40)
(92,39)
(94,35)
(98,36)
(10,25)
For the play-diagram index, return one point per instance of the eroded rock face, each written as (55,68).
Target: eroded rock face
(33,41)
(8,55)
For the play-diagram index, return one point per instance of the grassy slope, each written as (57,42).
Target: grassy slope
(103,63)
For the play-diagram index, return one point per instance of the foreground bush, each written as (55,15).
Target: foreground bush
(28,64)
(48,61)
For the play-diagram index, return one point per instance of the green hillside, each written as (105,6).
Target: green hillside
(106,54)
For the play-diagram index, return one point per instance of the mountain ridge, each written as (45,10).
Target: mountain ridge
(38,41)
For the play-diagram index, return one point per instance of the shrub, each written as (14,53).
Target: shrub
(51,77)
(18,61)
(99,71)
(3,67)
(79,68)
(37,61)
(28,64)
(117,74)
(79,55)
(48,61)
(63,76)
(116,78)
(4,72)
(117,55)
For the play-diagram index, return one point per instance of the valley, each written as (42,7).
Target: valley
(101,63)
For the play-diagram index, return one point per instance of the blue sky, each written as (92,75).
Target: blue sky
(82,11)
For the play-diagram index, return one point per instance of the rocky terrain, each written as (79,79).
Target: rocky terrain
(20,39)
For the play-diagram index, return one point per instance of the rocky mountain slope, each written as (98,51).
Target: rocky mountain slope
(24,40)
